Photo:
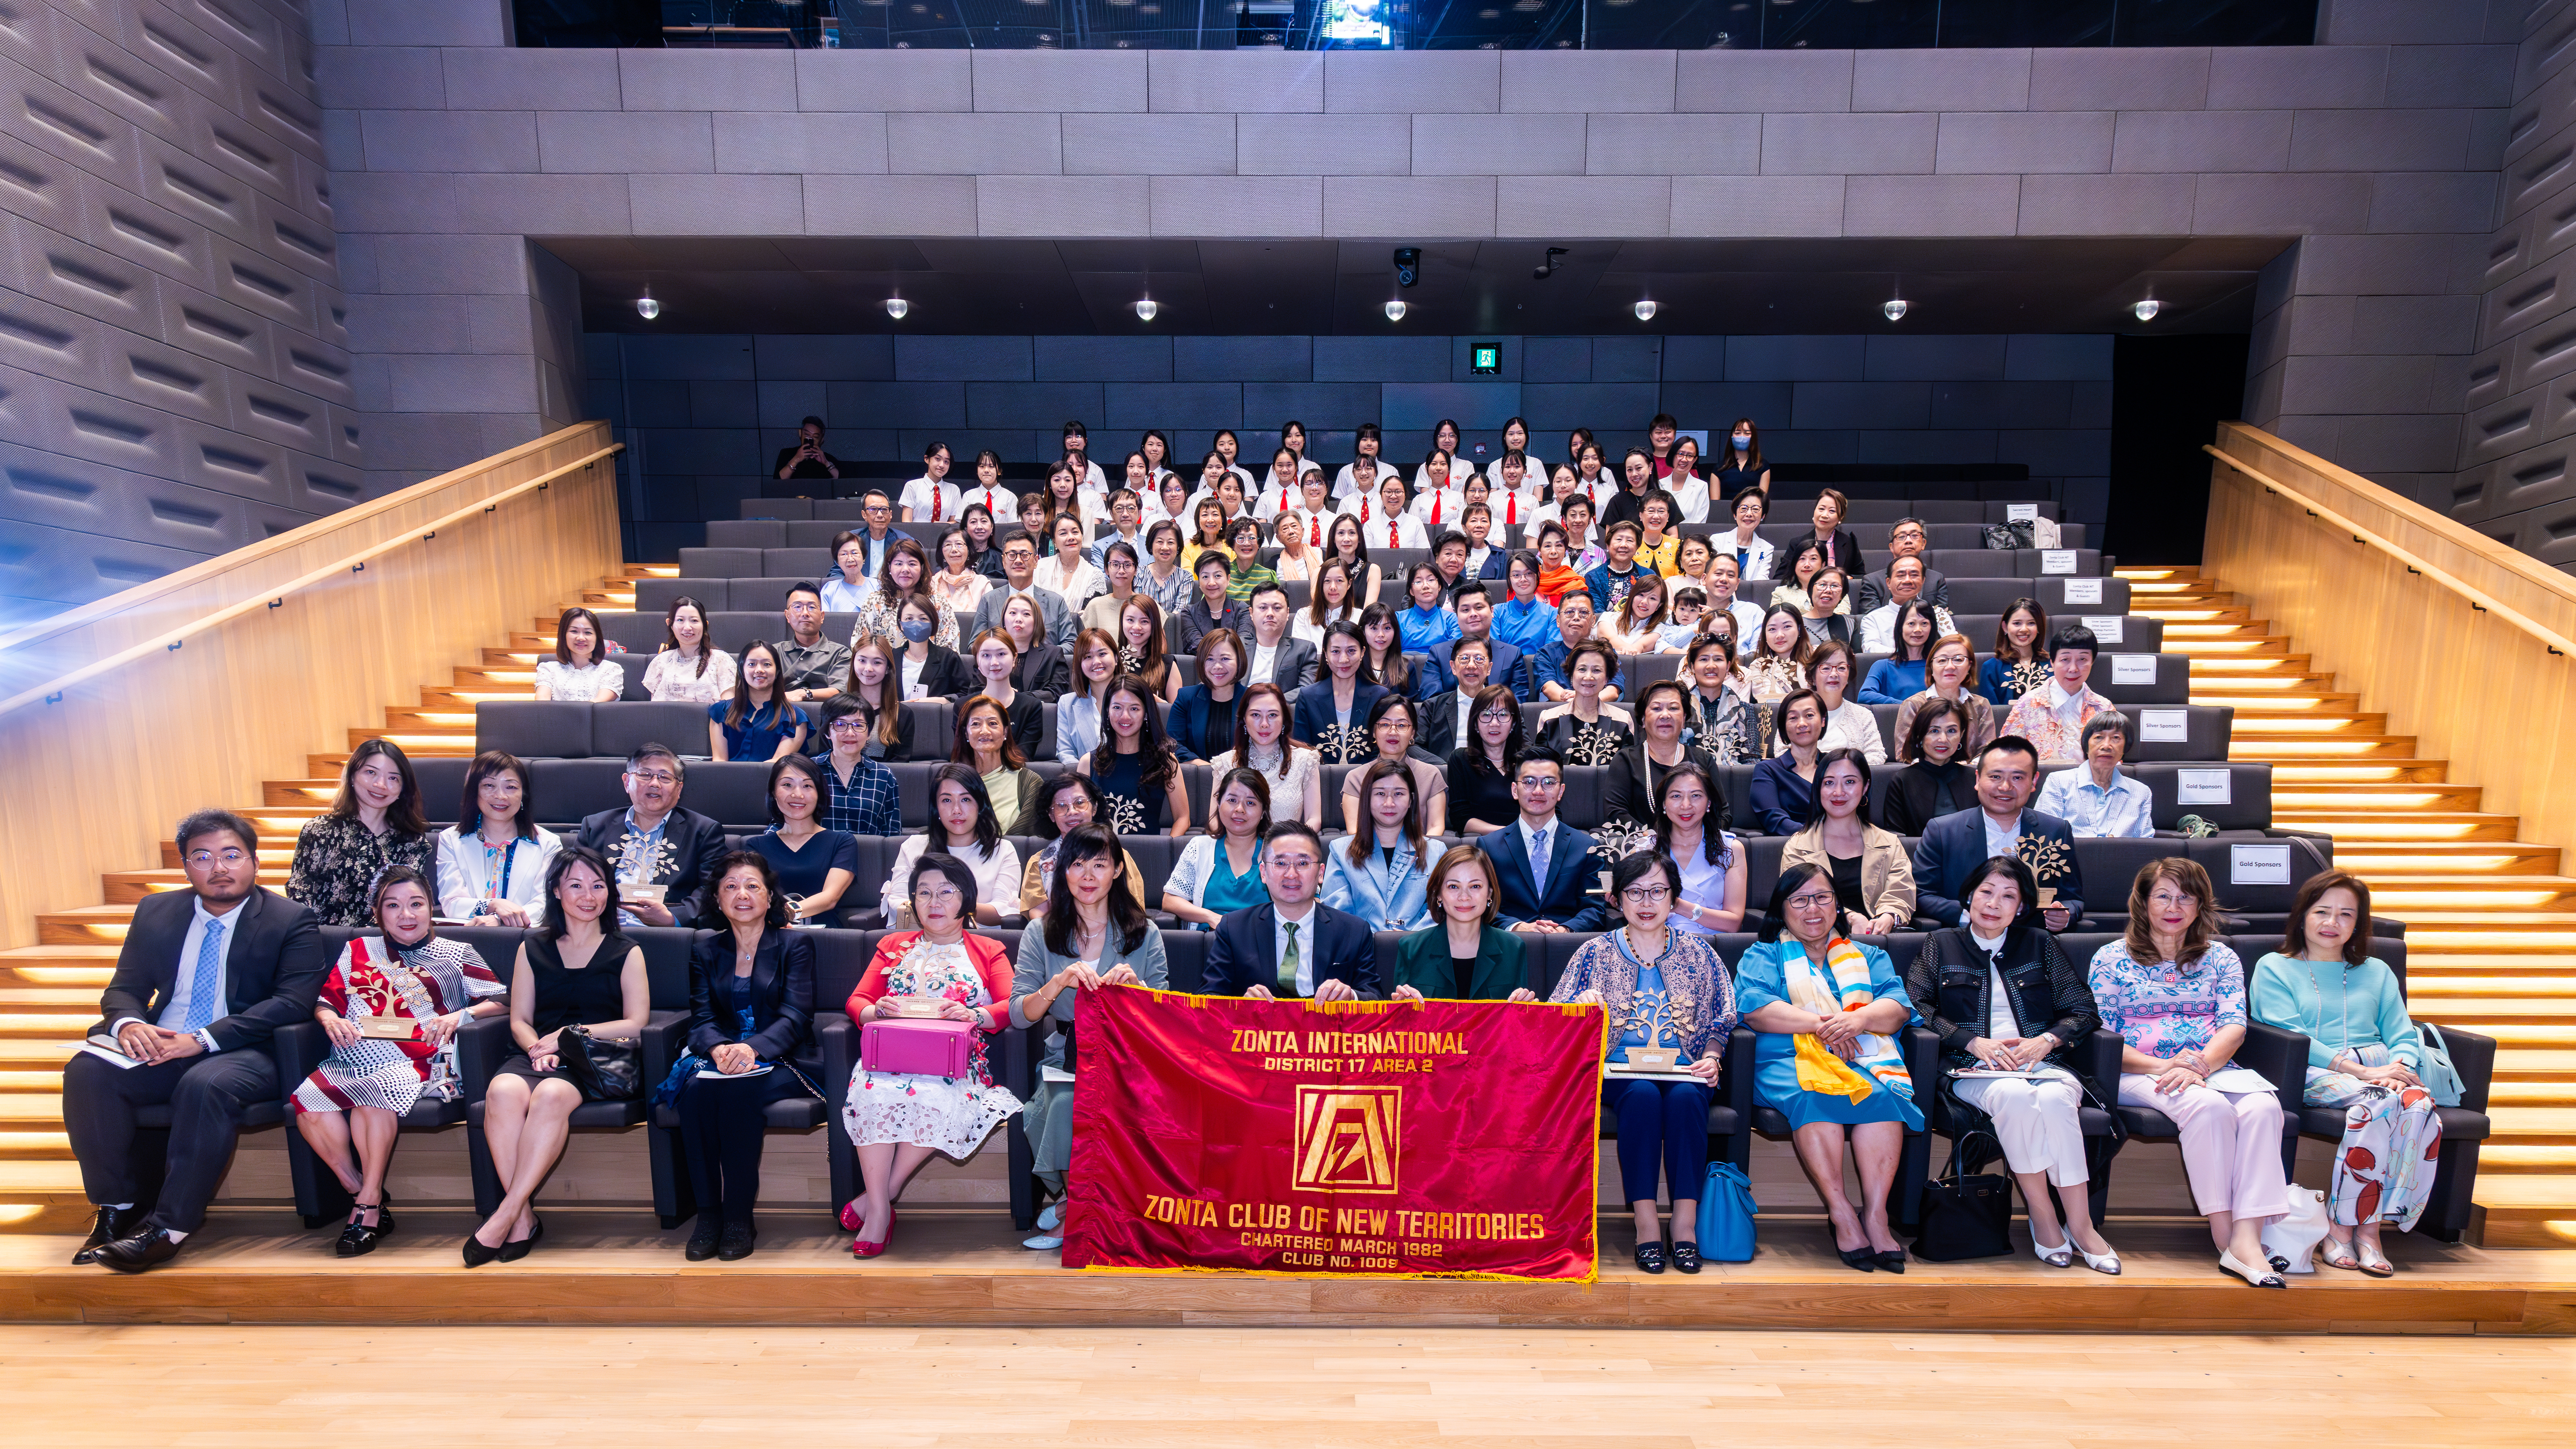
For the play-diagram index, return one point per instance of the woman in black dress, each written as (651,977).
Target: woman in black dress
(1480,772)
(1135,767)
(574,969)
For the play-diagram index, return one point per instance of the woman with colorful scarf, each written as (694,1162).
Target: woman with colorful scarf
(1555,576)
(1665,990)
(1828,1012)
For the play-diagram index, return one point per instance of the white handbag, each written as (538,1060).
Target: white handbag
(2295,1234)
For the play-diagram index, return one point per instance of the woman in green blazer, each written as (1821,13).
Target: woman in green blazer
(1465,957)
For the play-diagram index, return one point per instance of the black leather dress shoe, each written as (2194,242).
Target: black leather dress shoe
(149,1248)
(112,1224)
(737,1243)
(702,1238)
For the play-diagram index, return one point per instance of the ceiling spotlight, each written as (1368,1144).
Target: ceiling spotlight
(1395,309)
(1894,307)
(2147,309)
(646,307)
(1645,310)
(1146,307)
(896,307)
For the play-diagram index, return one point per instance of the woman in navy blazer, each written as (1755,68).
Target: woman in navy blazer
(1202,722)
(1318,718)
(770,1021)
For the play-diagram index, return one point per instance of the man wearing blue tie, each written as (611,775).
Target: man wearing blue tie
(206,977)
(1544,864)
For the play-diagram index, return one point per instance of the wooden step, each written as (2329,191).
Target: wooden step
(84,925)
(54,1182)
(23,1107)
(48,1025)
(27,1144)
(2365,795)
(2371,825)
(40,1082)
(2433,857)
(2366,772)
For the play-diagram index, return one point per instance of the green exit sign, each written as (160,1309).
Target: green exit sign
(1487,357)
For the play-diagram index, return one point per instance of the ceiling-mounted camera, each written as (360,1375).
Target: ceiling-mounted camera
(1408,266)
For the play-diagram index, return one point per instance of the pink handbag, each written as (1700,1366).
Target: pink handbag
(922,1047)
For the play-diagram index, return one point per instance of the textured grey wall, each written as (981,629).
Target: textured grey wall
(2513,483)
(174,373)
(710,412)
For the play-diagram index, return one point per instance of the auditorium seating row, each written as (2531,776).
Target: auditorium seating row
(768,534)
(2168,733)
(1955,563)
(1871,504)
(1735,1116)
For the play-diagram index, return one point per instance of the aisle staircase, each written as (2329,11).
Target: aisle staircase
(2490,920)
(49,991)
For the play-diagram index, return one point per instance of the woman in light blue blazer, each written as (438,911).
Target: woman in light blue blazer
(1381,874)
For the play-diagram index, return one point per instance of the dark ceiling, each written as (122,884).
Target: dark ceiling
(837,285)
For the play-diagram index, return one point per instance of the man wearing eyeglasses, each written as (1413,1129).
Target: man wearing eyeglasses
(653,842)
(810,666)
(1545,865)
(206,976)
(1292,945)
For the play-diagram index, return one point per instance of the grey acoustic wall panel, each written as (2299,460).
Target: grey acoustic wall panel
(176,376)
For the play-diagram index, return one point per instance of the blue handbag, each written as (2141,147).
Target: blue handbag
(1726,1209)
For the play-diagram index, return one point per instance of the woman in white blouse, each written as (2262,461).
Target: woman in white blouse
(1688,488)
(965,826)
(577,672)
(1077,713)
(492,862)
(1849,724)
(687,671)
(847,587)
(1328,603)
(1293,772)
(1068,571)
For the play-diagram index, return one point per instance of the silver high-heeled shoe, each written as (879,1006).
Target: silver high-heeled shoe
(2061,1256)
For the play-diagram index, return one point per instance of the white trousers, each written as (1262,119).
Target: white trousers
(2231,1144)
(2035,1123)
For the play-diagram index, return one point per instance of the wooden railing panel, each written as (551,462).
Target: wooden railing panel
(93,783)
(2470,685)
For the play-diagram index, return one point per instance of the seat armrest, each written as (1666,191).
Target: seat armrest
(1735,1076)
(837,1039)
(481,1047)
(1922,1049)
(1022,1050)
(662,1044)
(2099,1059)
(297,1048)
(2474,1057)
(2282,1058)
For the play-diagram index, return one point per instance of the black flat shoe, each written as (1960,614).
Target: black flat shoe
(1650,1257)
(1892,1261)
(476,1255)
(1863,1259)
(149,1248)
(1686,1257)
(358,1239)
(737,1243)
(513,1251)
(702,1239)
(111,1224)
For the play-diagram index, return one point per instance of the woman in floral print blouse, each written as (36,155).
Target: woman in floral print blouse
(374,822)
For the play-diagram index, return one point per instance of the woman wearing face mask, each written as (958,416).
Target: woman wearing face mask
(1135,767)
(351,1108)
(1740,465)
(1293,772)
(1873,876)
(1951,675)
(1936,780)
(923,669)
(1064,804)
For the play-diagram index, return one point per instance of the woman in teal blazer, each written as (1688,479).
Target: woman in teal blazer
(1433,964)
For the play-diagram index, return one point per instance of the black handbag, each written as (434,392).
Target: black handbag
(606,1068)
(1964,1215)
(2016,534)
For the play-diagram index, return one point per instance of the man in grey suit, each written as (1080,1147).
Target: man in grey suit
(1019,567)
(1277,657)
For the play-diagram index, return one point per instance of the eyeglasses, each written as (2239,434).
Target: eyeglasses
(1812,900)
(938,893)
(652,777)
(1541,782)
(203,858)
(851,723)
(1646,895)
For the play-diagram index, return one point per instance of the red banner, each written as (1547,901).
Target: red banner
(1375,1139)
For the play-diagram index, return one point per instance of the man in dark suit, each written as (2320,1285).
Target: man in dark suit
(1475,609)
(1293,945)
(2002,824)
(207,975)
(1448,717)
(1545,865)
(655,842)
(1908,539)
(1057,622)
(1291,662)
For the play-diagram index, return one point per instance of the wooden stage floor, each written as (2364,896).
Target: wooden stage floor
(964,1267)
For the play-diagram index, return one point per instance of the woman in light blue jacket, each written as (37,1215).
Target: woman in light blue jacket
(1380,874)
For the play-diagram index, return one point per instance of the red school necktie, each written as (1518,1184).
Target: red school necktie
(1363,508)
(1315,534)
(1512,510)
(1435,506)
(1390,533)
(935,498)
(1283,497)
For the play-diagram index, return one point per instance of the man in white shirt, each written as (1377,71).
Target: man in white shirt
(1447,722)
(1722,599)
(1370,442)
(1292,945)
(1538,858)
(1019,570)
(2095,798)
(1124,528)
(1908,539)
(931,497)
(1904,586)
(1277,658)
(879,534)
(1475,609)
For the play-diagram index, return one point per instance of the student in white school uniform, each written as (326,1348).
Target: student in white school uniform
(1280,491)
(1389,526)
(931,492)
(1365,505)
(1515,498)
(1440,502)
(1371,445)
(1086,473)
(988,490)
(1225,445)
(1315,511)
(1515,440)
(1444,439)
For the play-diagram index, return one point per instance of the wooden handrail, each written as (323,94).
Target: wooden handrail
(52,690)
(2479,599)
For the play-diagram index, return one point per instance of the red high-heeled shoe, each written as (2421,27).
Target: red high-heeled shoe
(865,1249)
